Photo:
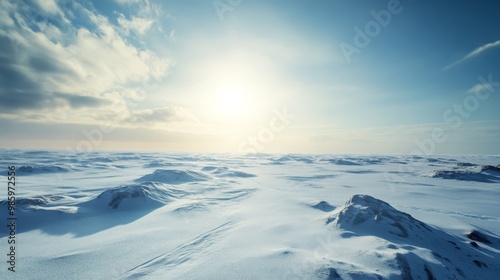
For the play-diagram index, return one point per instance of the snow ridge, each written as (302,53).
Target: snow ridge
(172,176)
(133,197)
(417,250)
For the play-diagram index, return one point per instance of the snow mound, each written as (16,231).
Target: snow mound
(415,249)
(464,164)
(465,171)
(323,206)
(364,214)
(464,175)
(171,176)
(330,273)
(41,169)
(309,178)
(292,158)
(39,211)
(488,239)
(342,162)
(478,236)
(132,197)
(489,168)
(227,172)
(27,203)
(103,159)
(157,163)
(372,160)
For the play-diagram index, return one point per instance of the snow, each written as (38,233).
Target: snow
(40,169)
(133,197)
(260,216)
(469,172)
(420,250)
(173,176)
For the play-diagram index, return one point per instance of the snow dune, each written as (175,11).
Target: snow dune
(469,172)
(418,250)
(323,206)
(133,197)
(172,176)
(41,169)
(261,216)
(226,172)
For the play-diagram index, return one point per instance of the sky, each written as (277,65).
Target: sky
(244,76)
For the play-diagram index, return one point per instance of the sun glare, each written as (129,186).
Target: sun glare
(231,101)
(236,91)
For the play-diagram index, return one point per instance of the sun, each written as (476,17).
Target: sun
(231,101)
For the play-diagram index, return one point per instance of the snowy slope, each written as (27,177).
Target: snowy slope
(417,250)
(260,216)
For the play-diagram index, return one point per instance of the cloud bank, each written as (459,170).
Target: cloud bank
(67,63)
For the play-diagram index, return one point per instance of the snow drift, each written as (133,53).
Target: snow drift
(364,214)
(41,169)
(323,206)
(262,216)
(227,172)
(340,161)
(469,172)
(172,176)
(134,197)
(159,163)
(417,250)
(26,204)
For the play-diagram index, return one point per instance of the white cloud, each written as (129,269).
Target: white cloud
(135,24)
(60,73)
(48,6)
(474,53)
(91,63)
(5,19)
(161,116)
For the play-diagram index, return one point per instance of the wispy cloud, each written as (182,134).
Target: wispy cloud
(474,53)
(49,6)
(67,72)
(135,24)
(158,117)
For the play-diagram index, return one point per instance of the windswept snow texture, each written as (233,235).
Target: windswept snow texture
(131,215)
(134,196)
(419,250)
(171,176)
(41,169)
(226,172)
(363,213)
(323,206)
(469,172)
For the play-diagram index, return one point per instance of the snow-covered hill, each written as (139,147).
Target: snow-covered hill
(415,249)
(259,216)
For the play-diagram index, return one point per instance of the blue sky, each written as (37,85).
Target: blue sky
(403,76)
